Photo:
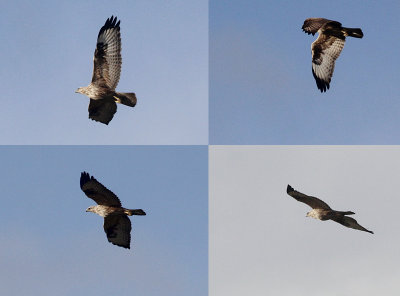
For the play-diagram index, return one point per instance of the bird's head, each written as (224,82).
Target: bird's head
(89,209)
(84,90)
(312,214)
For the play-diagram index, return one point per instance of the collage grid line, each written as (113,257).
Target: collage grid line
(203,147)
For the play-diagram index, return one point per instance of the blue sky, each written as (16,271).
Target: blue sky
(262,243)
(256,87)
(261,87)
(50,245)
(49,54)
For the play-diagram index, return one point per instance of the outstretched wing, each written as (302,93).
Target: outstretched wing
(351,223)
(96,191)
(325,50)
(107,56)
(312,25)
(102,110)
(118,229)
(312,201)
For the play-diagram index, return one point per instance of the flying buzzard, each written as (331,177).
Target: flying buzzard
(106,72)
(116,223)
(326,49)
(320,210)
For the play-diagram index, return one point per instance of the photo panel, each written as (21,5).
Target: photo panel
(262,89)
(262,243)
(48,54)
(53,246)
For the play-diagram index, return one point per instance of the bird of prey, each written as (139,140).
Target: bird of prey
(117,225)
(106,72)
(320,210)
(327,47)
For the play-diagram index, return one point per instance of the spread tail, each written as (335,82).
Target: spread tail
(128,99)
(354,32)
(138,212)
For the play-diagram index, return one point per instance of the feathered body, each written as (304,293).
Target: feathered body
(106,72)
(327,47)
(117,225)
(105,211)
(322,211)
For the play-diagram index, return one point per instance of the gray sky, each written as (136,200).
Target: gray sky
(262,243)
(261,92)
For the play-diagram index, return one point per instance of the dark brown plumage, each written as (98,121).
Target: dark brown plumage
(117,225)
(106,73)
(327,47)
(321,210)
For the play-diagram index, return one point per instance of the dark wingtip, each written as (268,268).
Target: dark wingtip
(111,22)
(289,189)
(85,177)
(322,85)
(307,31)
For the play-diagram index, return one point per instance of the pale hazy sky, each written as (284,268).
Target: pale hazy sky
(262,243)
(204,72)
(49,54)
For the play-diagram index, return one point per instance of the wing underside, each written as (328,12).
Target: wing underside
(118,230)
(312,201)
(97,191)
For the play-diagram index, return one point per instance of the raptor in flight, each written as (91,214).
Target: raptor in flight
(327,47)
(106,72)
(320,210)
(116,222)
